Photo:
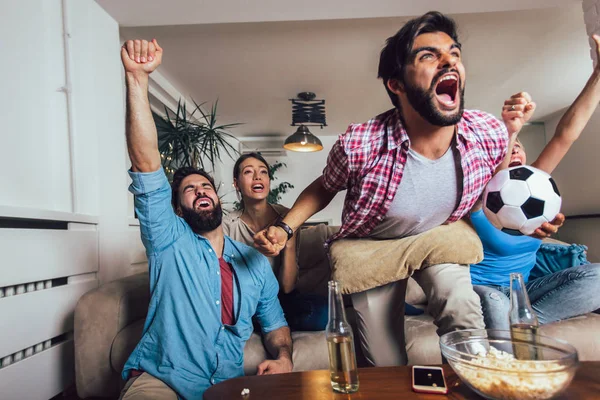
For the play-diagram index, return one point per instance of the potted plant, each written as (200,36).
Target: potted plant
(194,139)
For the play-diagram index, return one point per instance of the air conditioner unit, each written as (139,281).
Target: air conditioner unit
(267,146)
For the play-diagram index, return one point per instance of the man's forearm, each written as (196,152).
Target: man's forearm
(142,141)
(279,343)
(312,200)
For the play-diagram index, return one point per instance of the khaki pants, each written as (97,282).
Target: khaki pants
(147,387)
(451,302)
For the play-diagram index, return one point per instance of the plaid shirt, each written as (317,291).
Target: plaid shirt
(368,161)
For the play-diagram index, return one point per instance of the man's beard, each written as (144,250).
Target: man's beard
(203,221)
(424,102)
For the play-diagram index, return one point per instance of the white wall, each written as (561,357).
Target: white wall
(35,162)
(576,177)
(533,138)
(100,154)
(64,160)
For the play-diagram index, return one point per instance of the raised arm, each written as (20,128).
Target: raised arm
(573,122)
(516,112)
(140,58)
(313,199)
(159,226)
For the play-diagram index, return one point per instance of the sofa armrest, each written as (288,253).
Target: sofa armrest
(99,316)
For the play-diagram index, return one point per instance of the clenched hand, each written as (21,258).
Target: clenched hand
(517,111)
(141,57)
(270,241)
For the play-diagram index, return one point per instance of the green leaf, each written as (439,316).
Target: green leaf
(193,141)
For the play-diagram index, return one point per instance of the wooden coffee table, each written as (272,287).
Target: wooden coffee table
(375,383)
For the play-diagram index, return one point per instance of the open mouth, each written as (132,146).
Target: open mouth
(203,203)
(515,163)
(446,90)
(258,188)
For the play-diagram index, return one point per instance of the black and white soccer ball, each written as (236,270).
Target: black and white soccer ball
(520,199)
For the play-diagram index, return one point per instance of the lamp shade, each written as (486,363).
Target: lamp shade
(302,140)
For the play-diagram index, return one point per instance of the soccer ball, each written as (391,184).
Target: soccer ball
(520,199)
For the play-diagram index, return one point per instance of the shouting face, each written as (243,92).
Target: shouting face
(199,204)
(434,79)
(518,156)
(253,180)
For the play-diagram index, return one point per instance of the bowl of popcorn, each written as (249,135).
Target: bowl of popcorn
(499,367)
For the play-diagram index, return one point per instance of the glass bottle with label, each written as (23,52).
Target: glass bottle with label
(340,342)
(523,321)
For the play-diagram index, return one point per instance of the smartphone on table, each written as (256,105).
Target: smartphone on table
(428,380)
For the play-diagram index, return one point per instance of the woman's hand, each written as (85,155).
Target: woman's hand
(517,111)
(549,228)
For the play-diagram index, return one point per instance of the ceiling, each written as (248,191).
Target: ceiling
(253,68)
(191,12)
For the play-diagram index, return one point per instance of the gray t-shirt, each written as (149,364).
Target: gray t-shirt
(428,194)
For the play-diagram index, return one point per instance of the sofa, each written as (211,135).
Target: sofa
(109,322)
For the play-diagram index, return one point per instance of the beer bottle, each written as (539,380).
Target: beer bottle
(523,321)
(340,341)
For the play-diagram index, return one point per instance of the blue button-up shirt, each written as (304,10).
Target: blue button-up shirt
(184,342)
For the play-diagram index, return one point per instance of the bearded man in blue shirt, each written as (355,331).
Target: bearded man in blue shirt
(205,288)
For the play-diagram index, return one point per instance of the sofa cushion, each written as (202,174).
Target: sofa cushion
(254,354)
(99,316)
(362,264)
(582,332)
(310,351)
(124,343)
(313,261)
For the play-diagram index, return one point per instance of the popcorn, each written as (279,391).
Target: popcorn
(245,392)
(514,379)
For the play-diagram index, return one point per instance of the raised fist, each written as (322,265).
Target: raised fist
(141,56)
(517,111)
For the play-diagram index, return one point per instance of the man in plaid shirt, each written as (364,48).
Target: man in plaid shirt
(415,167)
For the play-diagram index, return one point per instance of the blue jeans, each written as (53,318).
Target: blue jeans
(561,295)
(304,311)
